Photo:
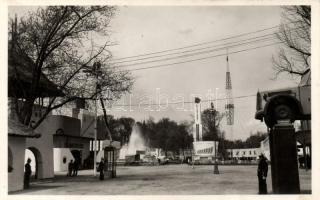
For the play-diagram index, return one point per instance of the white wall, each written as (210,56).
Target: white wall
(100,155)
(15,178)
(58,155)
(44,145)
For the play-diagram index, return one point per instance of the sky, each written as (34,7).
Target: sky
(147,29)
(142,30)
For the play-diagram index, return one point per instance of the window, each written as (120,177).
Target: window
(64,160)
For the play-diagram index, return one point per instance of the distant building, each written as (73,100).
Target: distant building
(245,154)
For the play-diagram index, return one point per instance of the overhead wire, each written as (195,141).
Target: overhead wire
(197,44)
(197,53)
(263,37)
(205,43)
(198,59)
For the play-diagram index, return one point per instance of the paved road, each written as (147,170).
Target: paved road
(161,180)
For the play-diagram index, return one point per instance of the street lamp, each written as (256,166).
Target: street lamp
(215,170)
(95,71)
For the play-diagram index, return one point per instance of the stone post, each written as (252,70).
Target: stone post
(284,164)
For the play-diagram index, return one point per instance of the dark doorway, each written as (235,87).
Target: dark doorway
(77,154)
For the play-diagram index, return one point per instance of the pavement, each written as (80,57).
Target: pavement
(161,180)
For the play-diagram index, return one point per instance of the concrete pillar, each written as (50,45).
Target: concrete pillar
(284,164)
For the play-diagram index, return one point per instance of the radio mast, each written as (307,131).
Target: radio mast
(229,107)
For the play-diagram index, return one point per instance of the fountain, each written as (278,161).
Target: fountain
(135,145)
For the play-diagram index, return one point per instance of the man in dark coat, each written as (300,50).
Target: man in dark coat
(27,174)
(70,168)
(101,169)
(76,167)
(262,173)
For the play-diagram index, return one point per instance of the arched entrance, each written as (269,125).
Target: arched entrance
(36,162)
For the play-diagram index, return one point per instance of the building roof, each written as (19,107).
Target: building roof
(15,128)
(20,71)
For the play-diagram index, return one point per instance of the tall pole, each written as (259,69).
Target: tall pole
(95,142)
(95,124)
(95,70)
(215,169)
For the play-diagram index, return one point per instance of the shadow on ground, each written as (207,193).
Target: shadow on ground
(34,188)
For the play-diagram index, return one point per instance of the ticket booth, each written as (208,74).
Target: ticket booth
(110,162)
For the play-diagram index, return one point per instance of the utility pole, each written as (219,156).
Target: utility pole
(96,68)
(95,72)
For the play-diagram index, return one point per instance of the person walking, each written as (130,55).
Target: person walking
(70,168)
(262,173)
(75,167)
(101,169)
(27,174)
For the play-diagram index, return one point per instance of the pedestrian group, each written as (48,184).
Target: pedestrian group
(73,168)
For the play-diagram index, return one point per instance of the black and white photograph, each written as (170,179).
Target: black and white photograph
(164,99)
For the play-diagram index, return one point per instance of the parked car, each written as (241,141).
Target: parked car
(163,160)
(286,104)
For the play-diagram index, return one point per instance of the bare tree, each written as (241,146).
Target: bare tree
(58,42)
(211,120)
(294,33)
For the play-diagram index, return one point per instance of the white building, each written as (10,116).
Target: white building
(247,154)
(17,136)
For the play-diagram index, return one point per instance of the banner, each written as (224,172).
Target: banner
(205,148)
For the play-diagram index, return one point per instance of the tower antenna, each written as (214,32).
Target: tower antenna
(229,108)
